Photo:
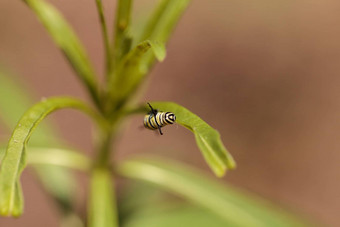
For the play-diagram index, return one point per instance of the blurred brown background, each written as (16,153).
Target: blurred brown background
(264,73)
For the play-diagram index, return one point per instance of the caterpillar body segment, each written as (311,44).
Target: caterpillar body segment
(156,119)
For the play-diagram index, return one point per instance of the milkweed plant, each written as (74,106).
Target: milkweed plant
(128,60)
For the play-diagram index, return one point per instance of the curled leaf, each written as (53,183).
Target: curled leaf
(57,181)
(207,138)
(11,203)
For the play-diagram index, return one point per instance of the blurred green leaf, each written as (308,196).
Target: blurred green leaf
(122,39)
(158,49)
(2,154)
(58,157)
(51,164)
(14,101)
(71,220)
(207,138)
(162,23)
(137,63)
(132,69)
(51,156)
(169,215)
(66,39)
(143,204)
(105,34)
(58,181)
(102,209)
(138,196)
(15,158)
(238,209)
(163,20)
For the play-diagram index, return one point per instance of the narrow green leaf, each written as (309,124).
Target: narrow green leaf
(58,157)
(122,39)
(102,207)
(170,215)
(71,220)
(105,35)
(236,208)
(50,164)
(158,49)
(58,182)
(67,40)
(143,204)
(19,200)
(14,101)
(207,138)
(2,154)
(133,68)
(162,23)
(163,20)
(14,161)
(158,28)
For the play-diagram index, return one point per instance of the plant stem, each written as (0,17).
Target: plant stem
(104,148)
(102,204)
(102,208)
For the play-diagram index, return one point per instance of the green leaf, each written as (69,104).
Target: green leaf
(236,208)
(15,158)
(71,220)
(105,35)
(66,39)
(158,49)
(2,154)
(58,182)
(130,72)
(133,68)
(122,39)
(163,20)
(143,204)
(102,207)
(50,164)
(207,138)
(58,157)
(170,215)
(159,27)
(14,101)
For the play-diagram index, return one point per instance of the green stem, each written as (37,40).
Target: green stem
(104,148)
(102,205)
(102,202)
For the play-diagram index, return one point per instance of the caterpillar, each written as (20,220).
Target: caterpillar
(156,120)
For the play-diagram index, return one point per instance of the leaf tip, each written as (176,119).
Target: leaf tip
(16,213)
(4,211)
(231,164)
(158,49)
(220,174)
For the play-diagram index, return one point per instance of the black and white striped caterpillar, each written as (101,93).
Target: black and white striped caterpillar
(155,119)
